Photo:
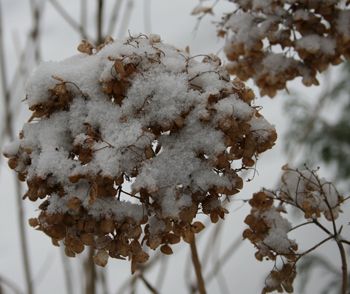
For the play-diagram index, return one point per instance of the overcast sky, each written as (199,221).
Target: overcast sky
(172,20)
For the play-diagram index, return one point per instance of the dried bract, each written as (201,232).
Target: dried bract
(274,42)
(128,142)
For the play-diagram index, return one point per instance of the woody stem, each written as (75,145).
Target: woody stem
(197,266)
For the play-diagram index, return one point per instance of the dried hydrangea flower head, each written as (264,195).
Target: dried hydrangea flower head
(129,141)
(268,229)
(275,41)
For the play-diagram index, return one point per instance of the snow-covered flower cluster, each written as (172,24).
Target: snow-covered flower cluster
(275,41)
(129,141)
(312,194)
(268,230)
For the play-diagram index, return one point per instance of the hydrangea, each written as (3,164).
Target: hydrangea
(127,142)
(274,42)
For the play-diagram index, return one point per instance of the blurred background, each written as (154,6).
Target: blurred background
(312,124)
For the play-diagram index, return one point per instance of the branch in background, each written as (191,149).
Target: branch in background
(224,259)
(35,31)
(90,273)
(162,272)
(197,266)
(99,23)
(143,268)
(9,284)
(71,21)
(67,272)
(9,132)
(102,272)
(83,14)
(114,17)
(126,19)
(147,16)
(147,284)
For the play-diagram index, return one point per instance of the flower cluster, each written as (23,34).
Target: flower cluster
(312,194)
(129,141)
(275,41)
(268,229)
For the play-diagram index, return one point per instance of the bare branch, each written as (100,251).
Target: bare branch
(99,23)
(90,273)
(71,21)
(10,285)
(147,284)
(197,266)
(147,16)
(83,13)
(126,18)
(67,272)
(114,17)
(344,267)
(9,132)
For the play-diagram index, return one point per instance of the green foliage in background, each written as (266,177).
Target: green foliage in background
(322,130)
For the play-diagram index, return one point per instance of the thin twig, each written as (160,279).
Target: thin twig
(162,272)
(10,285)
(10,134)
(35,31)
(344,267)
(197,266)
(114,17)
(90,273)
(99,23)
(345,241)
(143,268)
(301,225)
(147,16)
(224,258)
(83,13)
(71,21)
(147,284)
(126,18)
(314,247)
(67,272)
(104,284)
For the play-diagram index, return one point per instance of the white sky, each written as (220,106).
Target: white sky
(172,20)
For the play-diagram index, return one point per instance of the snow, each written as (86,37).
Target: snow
(98,119)
(314,43)
(315,195)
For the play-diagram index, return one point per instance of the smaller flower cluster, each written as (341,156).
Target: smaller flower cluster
(268,230)
(312,194)
(274,42)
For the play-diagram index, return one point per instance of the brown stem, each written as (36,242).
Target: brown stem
(90,273)
(103,279)
(114,17)
(10,284)
(345,241)
(67,272)
(197,266)
(148,284)
(314,247)
(126,18)
(71,21)
(99,18)
(344,267)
